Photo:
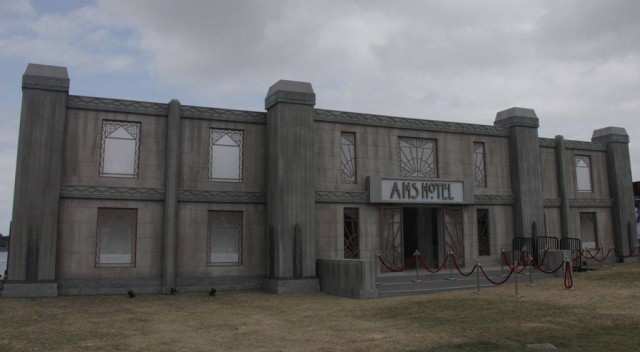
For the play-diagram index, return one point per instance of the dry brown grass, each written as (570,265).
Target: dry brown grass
(599,314)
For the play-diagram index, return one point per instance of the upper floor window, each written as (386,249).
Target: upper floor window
(348,158)
(225,155)
(120,148)
(583,173)
(478,153)
(116,238)
(418,157)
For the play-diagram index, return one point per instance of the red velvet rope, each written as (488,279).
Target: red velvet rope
(455,263)
(506,260)
(424,265)
(568,276)
(586,252)
(552,271)
(407,264)
(495,282)
(627,256)
(544,257)
(596,259)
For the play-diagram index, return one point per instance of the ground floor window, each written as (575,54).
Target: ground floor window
(484,247)
(116,238)
(351,233)
(588,232)
(225,238)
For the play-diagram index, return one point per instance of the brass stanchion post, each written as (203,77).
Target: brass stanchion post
(478,268)
(530,271)
(586,257)
(451,264)
(416,254)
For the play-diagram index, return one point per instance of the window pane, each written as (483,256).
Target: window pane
(418,157)
(225,237)
(120,148)
(484,247)
(351,233)
(478,151)
(583,173)
(116,236)
(348,157)
(225,163)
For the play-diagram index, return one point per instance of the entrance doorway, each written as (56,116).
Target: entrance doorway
(432,231)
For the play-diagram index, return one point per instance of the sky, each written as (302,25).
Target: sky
(575,62)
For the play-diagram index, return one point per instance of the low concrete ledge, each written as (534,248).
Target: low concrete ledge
(108,287)
(354,278)
(220,283)
(49,289)
(291,286)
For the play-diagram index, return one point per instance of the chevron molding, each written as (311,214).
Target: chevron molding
(341,197)
(117,105)
(196,112)
(552,202)
(585,146)
(590,203)
(103,192)
(222,196)
(407,123)
(494,199)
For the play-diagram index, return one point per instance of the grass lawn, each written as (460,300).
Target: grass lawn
(600,314)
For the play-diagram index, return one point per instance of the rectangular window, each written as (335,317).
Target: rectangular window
(484,245)
(351,233)
(225,238)
(583,173)
(116,238)
(225,155)
(588,230)
(348,156)
(478,153)
(418,157)
(120,149)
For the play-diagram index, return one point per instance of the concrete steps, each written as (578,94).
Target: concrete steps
(403,284)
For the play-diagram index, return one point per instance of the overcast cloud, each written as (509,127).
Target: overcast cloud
(576,63)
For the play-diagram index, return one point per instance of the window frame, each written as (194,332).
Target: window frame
(210,239)
(480,166)
(110,126)
(99,221)
(486,232)
(418,143)
(348,176)
(355,223)
(231,133)
(589,169)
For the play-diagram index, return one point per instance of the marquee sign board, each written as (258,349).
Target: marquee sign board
(421,191)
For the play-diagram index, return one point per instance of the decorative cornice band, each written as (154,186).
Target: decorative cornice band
(222,196)
(196,112)
(117,105)
(590,203)
(493,199)
(552,202)
(105,192)
(585,145)
(407,123)
(547,142)
(341,197)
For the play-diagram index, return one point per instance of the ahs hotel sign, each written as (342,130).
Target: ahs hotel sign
(383,190)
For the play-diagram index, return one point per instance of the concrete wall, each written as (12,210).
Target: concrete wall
(353,278)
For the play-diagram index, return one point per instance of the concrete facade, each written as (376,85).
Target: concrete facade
(290,195)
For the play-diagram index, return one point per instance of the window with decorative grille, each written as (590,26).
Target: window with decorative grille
(225,155)
(348,156)
(120,149)
(479,156)
(351,233)
(484,245)
(418,157)
(583,173)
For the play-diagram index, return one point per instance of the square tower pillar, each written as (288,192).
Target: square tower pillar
(291,209)
(620,186)
(526,177)
(34,225)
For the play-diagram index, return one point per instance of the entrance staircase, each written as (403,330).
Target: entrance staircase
(403,284)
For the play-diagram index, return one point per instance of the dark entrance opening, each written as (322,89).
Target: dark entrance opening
(420,231)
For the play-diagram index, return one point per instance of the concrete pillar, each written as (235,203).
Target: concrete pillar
(34,232)
(172,177)
(291,187)
(620,186)
(565,223)
(526,177)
